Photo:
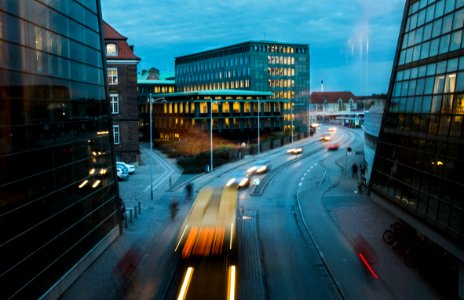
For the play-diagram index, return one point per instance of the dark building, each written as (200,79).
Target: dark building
(151,82)
(58,195)
(419,158)
(122,84)
(280,68)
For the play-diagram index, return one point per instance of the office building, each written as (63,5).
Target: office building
(418,164)
(151,82)
(58,195)
(122,83)
(280,68)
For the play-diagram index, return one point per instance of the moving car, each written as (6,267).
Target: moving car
(296,150)
(122,172)
(259,167)
(332,129)
(326,137)
(333,146)
(239,180)
(130,168)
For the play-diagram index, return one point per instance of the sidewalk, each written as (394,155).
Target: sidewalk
(357,216)
(98,281)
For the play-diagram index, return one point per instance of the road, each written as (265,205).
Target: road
(289,244)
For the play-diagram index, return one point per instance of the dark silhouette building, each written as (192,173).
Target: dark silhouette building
(58,193)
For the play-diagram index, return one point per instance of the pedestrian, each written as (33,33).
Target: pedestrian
(189,191)
(362,169)
(173,207)
(354,168)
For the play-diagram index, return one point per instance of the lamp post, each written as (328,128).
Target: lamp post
(211,132)
(259,147)
(151,100)
(291,117)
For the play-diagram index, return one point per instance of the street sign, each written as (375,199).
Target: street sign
(256,181)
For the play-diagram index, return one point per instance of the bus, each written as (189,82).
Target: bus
(207,246)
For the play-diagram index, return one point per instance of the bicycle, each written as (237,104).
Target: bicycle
(362,185)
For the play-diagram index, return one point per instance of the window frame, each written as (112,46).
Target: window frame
(116,135)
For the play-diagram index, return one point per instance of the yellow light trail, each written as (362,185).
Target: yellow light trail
(185,284)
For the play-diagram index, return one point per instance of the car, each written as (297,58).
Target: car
(130,168)
(122,172)
(333,146)
(332,129)
(296,150)
(259,167)
(326,137)
(239,180)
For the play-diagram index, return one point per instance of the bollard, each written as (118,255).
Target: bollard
(135,212)
(140,208)
(130,215)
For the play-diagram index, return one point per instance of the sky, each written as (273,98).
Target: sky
(352,42)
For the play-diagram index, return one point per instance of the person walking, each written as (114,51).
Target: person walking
(354,168)
(173,208)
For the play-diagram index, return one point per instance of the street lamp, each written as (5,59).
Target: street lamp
(151,100)
(259,148)
(211,132)
(291,117)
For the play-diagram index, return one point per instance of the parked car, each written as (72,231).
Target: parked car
(130,168)
(122,172)
(296,150)
(259,167)
(240,180)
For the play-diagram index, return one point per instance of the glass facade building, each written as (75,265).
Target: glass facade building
(58,195)
(420,152)
(280,68)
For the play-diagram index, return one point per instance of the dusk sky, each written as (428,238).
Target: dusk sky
(352,42)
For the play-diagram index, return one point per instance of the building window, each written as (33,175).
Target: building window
(111,50)
(116,135)
(114,102)
(112,76)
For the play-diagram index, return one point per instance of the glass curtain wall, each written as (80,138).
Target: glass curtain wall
(57,183)
(419,158)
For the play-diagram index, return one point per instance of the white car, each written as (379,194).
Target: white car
(130,168)
(259,167)
(122,173)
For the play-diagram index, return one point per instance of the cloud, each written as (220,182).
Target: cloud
(336,30)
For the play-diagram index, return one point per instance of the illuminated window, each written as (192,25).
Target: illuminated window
(112,76)
(111,50)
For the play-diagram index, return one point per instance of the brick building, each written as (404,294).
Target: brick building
(122,84)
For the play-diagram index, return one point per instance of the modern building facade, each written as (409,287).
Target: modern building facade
(280,68)
(122,83)
(233,114)
(419,158)
(58,191)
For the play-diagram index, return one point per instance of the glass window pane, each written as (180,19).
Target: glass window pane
(458,21)
(437,27)
(428,31)
(456,40)
(434,47)
(425,50)
(449,5)
(444,44)
(439,8)
(447,23)
(430,11)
